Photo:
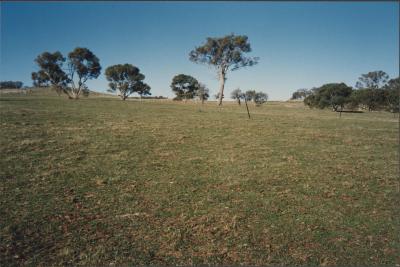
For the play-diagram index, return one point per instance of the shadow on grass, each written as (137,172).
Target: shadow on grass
(351,111)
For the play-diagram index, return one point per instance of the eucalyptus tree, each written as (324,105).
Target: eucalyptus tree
(184,86)
(250,95)
(237,95)
(126,79)
(392,95)
(334,95)
(224,54)
(81,66)
(202,92)
(260,98)
(372,80)
(370,89)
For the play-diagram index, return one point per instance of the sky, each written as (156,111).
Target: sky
(300,44)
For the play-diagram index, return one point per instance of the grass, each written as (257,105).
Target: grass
(100,181)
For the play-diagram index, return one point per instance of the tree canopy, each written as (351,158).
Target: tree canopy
(224,53)
(258,98)
(301,94)
(392,95)
(184,86)
(82,65)
(202,92)
(126,79)
(332,95)
(51,70)
(11,85)
(372,80)
(237,95)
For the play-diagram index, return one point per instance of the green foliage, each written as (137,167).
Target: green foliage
(184,86)
(51,71)
(370,94)
(301,94)
(260,98)
(126,79)
(224,53)
(203,93)
(11,85)
(39,79)
(249,95)
(392,95)
(237,95)
(372,80)
(82,65)
(332,95)
(370,98)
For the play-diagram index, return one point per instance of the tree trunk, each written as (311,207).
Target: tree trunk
(248,113)
(239,101)
(221,87)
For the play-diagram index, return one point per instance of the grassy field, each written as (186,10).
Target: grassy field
(100,181)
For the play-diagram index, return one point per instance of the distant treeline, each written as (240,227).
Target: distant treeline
(373,91)
(11,85)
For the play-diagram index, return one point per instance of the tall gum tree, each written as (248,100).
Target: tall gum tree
(224,53)
(82,65)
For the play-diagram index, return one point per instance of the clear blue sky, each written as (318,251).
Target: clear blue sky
(300,45)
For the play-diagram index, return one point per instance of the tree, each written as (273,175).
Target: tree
(301,94)
(143,89)
(85,65)
(370,86)
(126,79)
(225,53)
(11,85)
(237,95)
(370,98)
(372,80)
(184,86)
(392,95)
(202,92)
(332,95)
(260,98)
(51,71)
(82,65)
(39,79)
(250,95)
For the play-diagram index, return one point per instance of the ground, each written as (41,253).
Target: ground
(100,181)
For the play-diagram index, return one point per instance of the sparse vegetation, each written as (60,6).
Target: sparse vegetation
(158,183)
